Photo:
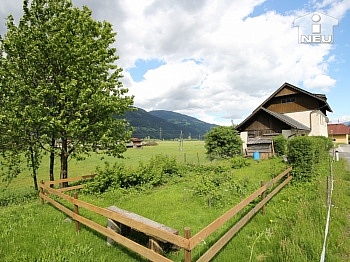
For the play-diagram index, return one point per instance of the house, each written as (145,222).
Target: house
(290,111)
(134,143)
(340,133)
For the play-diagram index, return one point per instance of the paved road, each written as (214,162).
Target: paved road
(344,152)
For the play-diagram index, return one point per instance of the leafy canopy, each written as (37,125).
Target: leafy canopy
(223,142)
(60,81)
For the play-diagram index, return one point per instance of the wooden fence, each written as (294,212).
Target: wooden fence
(186,242)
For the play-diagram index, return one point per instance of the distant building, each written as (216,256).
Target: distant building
(340,133)
(134,143)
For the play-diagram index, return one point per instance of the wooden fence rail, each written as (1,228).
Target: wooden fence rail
(186,242)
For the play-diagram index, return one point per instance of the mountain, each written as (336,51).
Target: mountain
(162,124)
(347,123)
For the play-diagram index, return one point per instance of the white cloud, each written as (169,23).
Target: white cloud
(243,59)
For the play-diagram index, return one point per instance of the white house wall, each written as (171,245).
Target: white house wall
(314,119)
(244,137)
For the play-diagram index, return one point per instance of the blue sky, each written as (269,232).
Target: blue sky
(218,60)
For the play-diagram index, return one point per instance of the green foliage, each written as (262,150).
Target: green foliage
(223,142)
(280,145)
(301,156)
(292,229)
(10,165)
(219,187)
(60,81)
(158,170)
(239,162)
(304,152)
(105,178)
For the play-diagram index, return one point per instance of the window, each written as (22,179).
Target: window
(288,100)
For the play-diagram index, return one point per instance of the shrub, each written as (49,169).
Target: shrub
(223,142)
(219,188)
(280,145)
(153,173)
(238,162)
(109,176)
(305,152)
(17,197)
(301,156)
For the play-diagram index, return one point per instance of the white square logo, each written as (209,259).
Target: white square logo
(315,28)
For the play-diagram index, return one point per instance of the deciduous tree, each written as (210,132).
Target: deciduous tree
(61,64)
(223,142)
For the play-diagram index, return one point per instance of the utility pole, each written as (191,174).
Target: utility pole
(181,141)
(160,133)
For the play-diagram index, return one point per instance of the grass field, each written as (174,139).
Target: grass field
(192,152)
(291,230)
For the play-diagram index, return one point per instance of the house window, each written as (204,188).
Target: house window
(288,100)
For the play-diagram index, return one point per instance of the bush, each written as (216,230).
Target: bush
(153,173)
(304,153)
(109,176)
(18,197)
(238,162)
(280,145)
(223,142)
(301,156)
(219,188)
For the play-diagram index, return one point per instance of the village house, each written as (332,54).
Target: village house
(290,111)
(340,133)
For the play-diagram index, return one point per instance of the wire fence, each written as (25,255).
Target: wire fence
(330,186)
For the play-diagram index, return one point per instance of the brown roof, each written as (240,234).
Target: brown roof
(338,129)
(320,97)
(134,139)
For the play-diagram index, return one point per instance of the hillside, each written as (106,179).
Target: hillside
(162,124)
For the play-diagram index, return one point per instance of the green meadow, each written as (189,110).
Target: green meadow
(292,229)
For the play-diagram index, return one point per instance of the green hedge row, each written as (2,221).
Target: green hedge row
(304,152)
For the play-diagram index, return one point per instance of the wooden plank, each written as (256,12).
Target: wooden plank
(57,193)
(207,256)
(142,227)
(65,189)
(204,233)
(279,177)
(216,224)
(57,205)
(70,179)
(143,251)
(142,219)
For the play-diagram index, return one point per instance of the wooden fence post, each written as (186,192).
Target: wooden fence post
(76,211)
(263,195)
(327,190)
(187,252)
(42,192)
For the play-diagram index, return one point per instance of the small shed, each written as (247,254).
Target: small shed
(134,143)
(263,145)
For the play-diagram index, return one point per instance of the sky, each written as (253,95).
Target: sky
(217,60)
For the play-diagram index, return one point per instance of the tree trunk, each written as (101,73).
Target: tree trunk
(35,181)
(52,159)
(64,161)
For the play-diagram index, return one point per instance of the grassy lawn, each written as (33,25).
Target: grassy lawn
(291,230)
